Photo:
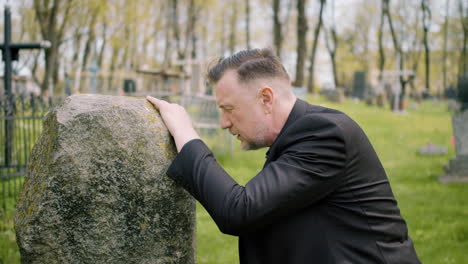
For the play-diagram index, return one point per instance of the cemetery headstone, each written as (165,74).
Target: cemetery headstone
(396,92)
(450,92)
(129,86)
(68,83)
(463,92)
(96,189)
(336,95)
(359,85)
(457,169)
(453,106)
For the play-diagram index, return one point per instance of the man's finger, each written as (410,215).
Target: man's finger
(156,102)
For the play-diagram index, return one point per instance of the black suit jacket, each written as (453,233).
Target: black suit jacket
(321,197)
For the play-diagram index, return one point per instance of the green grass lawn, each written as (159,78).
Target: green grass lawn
(437,214)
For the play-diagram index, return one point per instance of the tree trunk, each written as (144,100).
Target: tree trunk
(47,86)
(190,31)
(301,42)
(34,68)
(277,32)
(386,9)
(126,49)
(103,46)
(168,40)
(398,50)
(48,17)
(76,50)
(444,55)
(232,24)
(332,44)
(176,30)
(223,29)
(380,41)
(426,21)
(335,74)
(464,21)
(89,42)
(114,57)
(247,24)
(194,47)
(310,83)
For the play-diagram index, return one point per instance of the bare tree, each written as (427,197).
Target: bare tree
(222,33)
(301,42)
(380,35)
(404,80)
(168,37)
(175,27)
(426,23)
(464,23)
(444,54)
(31,31)
(194,14)
(247,24)
(364,20)
(281,12)
(277,32)
(310,83)
(91,37)
(103,45)
(53,18)
(331,40)
(233,27)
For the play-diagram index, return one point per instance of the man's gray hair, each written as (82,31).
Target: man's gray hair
(249,65)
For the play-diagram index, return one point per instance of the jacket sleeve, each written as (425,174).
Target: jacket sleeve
(305,172)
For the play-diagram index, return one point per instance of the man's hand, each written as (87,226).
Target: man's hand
(177,121)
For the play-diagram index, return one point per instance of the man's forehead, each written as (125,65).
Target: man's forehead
(226,87)
(228,80)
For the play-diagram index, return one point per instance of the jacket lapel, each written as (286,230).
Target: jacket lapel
(298,110)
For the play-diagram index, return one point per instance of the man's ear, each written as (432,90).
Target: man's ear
(266,96)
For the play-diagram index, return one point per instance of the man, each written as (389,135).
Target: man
(322,195)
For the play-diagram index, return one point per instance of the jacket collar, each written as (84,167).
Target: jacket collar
(298,110)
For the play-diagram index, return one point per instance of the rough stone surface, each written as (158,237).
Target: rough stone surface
(96,190)
(460,131)
(457,169)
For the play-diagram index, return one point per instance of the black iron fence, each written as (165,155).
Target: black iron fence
(20,126)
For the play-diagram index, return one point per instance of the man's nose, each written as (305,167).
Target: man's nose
(225,122)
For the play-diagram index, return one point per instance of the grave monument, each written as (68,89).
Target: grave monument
(359,85)
(96,189)
(457,169)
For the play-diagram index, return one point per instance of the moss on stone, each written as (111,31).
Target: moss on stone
(96,190)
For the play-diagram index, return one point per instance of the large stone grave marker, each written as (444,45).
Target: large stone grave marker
(457,169)
(96,190)
(359,85)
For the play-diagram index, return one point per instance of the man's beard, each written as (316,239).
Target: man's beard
(259,140)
